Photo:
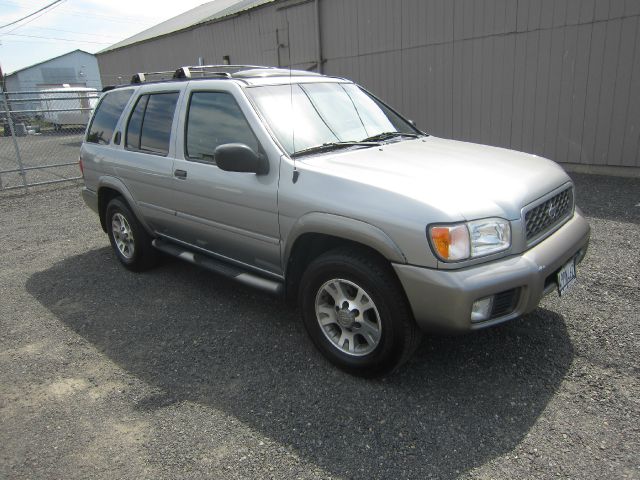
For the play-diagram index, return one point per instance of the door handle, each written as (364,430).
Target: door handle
(182,174)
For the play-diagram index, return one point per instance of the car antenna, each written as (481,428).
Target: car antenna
(296,173)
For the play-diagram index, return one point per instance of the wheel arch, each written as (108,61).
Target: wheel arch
(111,187)
(317,233)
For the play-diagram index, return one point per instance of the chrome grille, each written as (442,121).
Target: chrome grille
(542,218)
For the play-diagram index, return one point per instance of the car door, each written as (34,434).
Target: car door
(233,215)
(145,160)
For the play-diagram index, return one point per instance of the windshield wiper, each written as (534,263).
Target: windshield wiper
(327,147)
(387,135)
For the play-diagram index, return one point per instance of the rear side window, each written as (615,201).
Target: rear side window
(215,119)
(135,123)
(106,117)
(149,128)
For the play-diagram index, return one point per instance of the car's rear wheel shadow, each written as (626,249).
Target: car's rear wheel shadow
(195,336)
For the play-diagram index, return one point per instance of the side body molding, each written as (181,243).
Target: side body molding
(343,227)
(107,181)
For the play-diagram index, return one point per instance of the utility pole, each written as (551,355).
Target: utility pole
(1,74)
(2,78)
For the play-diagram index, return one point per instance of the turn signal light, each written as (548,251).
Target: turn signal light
(441,240)
(451,242)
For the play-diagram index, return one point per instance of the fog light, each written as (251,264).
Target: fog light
(481,309)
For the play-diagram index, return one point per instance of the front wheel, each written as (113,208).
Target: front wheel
(129,240)
(356,314)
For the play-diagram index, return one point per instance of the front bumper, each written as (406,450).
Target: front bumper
(441,300)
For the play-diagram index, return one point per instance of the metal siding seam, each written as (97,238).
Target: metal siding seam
(585,9)
(619,102)
(607,87)
(476,75)
(485,100)
(531,76)
(497,90)
(586,95)
(594,85)
(506,112)
(540,130)
(631,145)
(566,100)
(601,11)
(553,92)
(518,91)
(580,82)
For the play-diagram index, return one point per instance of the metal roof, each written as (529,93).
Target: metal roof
(206,12)
(48,60)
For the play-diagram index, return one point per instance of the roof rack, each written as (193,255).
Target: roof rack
(142,76)
(195,71)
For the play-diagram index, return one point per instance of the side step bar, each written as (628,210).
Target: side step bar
(220,267)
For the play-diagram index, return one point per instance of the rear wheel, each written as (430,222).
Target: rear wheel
(356,313)
(129,240)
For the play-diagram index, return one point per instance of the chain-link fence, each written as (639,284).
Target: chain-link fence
(40,135)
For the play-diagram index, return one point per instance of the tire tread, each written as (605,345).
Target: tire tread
(146,256)
(362,260)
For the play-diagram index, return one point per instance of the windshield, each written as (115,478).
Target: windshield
(305,116)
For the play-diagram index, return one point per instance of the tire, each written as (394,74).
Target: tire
(356,313)
(129,240)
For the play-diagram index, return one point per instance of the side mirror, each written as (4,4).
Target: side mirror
(238,157)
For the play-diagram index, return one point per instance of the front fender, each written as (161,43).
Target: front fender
(347,228)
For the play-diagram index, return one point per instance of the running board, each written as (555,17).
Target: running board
(219,267)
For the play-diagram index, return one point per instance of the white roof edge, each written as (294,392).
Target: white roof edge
(70,89)
(207,12)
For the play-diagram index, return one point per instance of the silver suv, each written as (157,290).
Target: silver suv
(311,188)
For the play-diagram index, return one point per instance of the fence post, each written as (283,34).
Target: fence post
(13,137)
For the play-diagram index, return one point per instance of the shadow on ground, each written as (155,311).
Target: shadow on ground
(195,336)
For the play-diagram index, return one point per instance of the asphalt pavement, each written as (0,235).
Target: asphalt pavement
(179,373)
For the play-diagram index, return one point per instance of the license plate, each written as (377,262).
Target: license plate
(566,277)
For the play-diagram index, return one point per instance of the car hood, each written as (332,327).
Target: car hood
(465,180)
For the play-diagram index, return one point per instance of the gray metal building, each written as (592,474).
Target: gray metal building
(77,69)
(558,78)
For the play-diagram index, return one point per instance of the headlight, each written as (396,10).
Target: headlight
(471,239)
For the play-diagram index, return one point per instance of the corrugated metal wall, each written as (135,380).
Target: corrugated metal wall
(559,78)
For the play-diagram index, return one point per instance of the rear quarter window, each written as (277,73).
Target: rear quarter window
(149,128)
(106,116)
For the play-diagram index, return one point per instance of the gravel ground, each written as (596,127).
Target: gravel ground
(178,373)
(47,148)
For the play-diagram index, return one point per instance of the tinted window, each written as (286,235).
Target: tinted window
(215,119)
(149,127)
(156,124)
(107,115)
(135,123)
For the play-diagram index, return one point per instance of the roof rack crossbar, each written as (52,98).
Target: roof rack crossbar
(190,71)
(206,70)
(224,66)
(141,77)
